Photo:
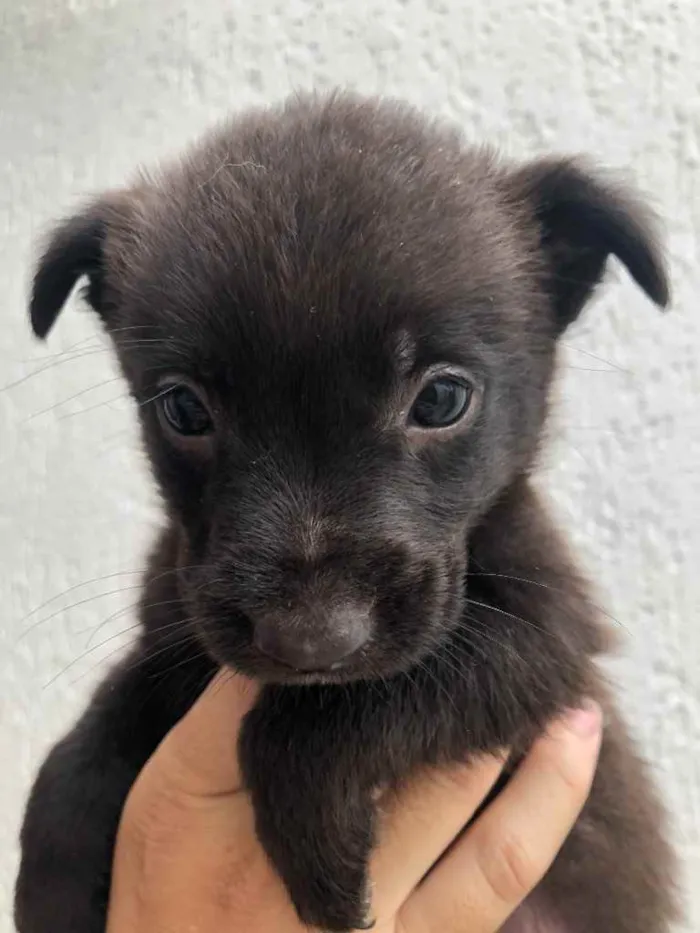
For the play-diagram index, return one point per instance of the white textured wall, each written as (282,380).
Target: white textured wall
(88,88)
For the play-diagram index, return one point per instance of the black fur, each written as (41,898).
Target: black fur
(302,268)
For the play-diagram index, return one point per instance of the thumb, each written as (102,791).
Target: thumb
(199,755)
(186,832)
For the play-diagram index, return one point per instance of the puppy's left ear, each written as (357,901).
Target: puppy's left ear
(583,219)
(74,249)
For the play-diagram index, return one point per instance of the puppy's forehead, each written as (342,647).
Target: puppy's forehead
(324,225)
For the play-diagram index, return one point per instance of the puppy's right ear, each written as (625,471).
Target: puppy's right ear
(75,249)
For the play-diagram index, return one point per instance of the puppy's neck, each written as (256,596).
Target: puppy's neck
(519,535)
(519,559)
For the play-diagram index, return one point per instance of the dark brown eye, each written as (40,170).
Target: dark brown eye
(185,412)
(441,403)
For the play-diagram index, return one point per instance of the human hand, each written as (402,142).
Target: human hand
(187,859)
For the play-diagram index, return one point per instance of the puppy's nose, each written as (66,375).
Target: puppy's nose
(313,644)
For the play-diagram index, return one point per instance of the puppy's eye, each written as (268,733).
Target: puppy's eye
(441,403)
(185,412)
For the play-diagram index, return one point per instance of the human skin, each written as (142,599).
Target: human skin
(187,859)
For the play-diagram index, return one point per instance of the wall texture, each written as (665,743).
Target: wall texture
(89,88)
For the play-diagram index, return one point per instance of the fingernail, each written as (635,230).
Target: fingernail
(585,721)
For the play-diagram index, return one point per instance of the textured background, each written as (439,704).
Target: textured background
(89,88)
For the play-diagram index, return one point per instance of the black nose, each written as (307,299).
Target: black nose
(313,642)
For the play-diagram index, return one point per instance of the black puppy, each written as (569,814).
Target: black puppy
(340,324)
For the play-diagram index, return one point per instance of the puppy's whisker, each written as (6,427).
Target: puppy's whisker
(75,605)
(446,648)
(593,369)
(130,327)
(100,579)
(472,627)
(69,357)
(52,365)
(136,342)
(105,403)
(154,398)
(432,676)
(72,398)
(138,571)
(510,615)
(594,356)
(543,585)
(125,609)
(79,345)
(147,656)
(175,645)
(81,657)
(76,586)
(186,639)
(162,632)
(134,627)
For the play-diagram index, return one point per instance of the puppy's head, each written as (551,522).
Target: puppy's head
(339,325)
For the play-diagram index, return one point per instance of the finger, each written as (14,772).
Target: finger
(421,822)
(193,769)
(202,748)
(199,756)
(197,866)
(512,845)
(187,856)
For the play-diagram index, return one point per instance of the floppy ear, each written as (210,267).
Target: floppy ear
(74,249)
(583,220)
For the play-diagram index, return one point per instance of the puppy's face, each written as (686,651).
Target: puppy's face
(339,326)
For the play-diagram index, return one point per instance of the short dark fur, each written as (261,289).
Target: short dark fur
(282,264)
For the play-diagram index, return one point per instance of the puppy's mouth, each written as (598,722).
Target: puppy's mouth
(267,670)
(278,671)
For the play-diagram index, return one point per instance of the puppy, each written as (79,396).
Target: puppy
(339,324)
